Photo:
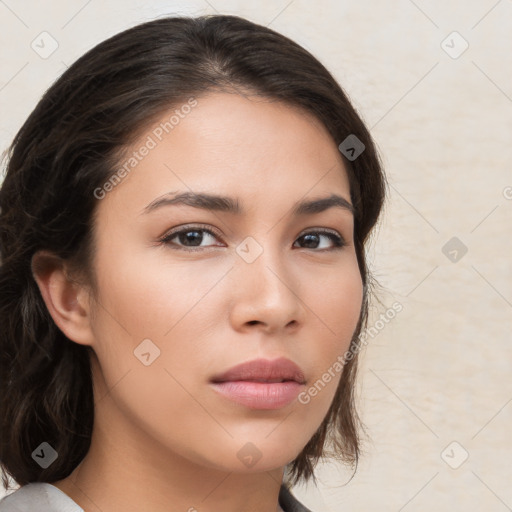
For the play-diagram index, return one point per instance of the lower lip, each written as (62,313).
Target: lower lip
(259,395)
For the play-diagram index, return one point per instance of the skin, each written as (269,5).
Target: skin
(162,436)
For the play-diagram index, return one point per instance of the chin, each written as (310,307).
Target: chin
(246,457)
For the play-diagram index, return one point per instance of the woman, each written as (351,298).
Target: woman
(183,277)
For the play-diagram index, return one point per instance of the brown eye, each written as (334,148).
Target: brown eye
(192,237)
(189,237)
(313,239)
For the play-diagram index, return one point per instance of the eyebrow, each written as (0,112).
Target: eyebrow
(232,205)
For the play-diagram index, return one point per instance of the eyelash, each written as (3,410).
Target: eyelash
(335,238)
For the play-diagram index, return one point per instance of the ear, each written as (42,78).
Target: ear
(67,301)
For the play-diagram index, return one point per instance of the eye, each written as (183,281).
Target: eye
(312,239)
(190,237)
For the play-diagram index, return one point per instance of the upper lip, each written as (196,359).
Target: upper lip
(263,370)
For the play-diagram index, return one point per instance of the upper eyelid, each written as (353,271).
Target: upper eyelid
(191,227)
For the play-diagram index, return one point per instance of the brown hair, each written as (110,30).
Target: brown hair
(70,145)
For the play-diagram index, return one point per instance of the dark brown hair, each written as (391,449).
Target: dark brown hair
(70,145)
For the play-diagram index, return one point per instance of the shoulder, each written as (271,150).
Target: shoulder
(38,497)
(288,501)
(44,497)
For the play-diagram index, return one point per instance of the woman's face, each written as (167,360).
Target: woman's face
(233,287)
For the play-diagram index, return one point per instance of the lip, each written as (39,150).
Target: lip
(261,383)
(263,370)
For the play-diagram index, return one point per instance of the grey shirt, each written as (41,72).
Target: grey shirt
(44,497)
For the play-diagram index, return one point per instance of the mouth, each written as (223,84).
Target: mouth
(266,381)
(261,384)
(263,370)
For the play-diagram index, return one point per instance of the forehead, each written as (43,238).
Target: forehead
(244,146)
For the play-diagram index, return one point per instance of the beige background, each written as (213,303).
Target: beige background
(440,371)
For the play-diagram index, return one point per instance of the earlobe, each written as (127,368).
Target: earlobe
(65,299)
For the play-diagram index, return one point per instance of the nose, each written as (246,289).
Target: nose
(266,295)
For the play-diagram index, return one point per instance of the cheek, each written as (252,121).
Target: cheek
(148,292)
(342,299)
(173,305)
(152,312)
(335,300)
(337,308)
